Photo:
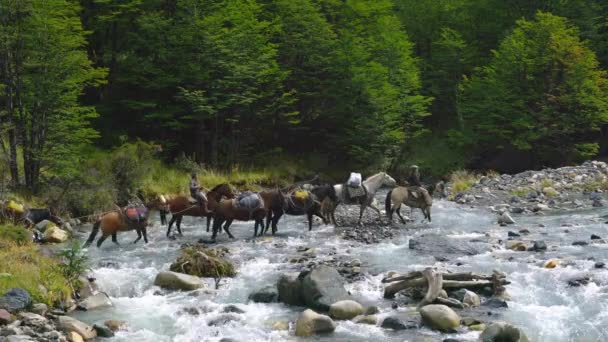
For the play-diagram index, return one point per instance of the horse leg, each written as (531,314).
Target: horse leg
(144,230)
(114,238)
(309,214)
(332,213)
(268,221)
(93,234)
(226,228)
(226,225)
(427,213)
(255,229)
(173,218)
(208,222)
(399,214)
(103,237)
(179,224)
(138,235)
(217,223)
(377,210)
(275,221)
(361,210)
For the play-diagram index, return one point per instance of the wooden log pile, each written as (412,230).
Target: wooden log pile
(435,281)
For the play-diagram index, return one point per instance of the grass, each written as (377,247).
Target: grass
(520,191)
(16,234)
(24,266)
(463,180)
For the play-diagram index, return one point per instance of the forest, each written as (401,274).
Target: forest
(328,84)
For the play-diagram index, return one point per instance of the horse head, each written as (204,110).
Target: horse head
(388,180)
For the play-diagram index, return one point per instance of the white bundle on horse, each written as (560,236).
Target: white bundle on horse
(354,180)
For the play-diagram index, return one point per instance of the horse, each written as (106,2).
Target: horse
(180,206)
(401,195)
(298,202)
(34,216)
(326,194)
(116,221)
(371,185)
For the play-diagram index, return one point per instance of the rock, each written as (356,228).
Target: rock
(524,231)
(43,225)
(311,323)
(366,319)
(539,246)
(345,309)
(517,210)
(502,332)
(471,299)
(223,319)
(233,309)
(599,264)
(355,262)
(550,192)
(597,204)
(267,294)
(459,294)
(19,338)
(551,263)
(505,218)
(30,318)
(103,331)
(40,308)
(280,325)
(289,287)
(578,281)
(580,243)
(203,262)
(396,323)
(5,317)
(69,324)
(99,300)
(55,234)
(87,288)
(595,237)
(495,303)
(178,281)
(15,299)
(442,294)
(516,245)
(440,317)
(512,234)
(477,327)
(372,310)
(539,207)
(442,246)
(322,287)
(75,337)
(115,325)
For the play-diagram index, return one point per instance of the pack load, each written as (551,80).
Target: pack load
(249,200)
(15,207)
(354,180)
(354,186)
(136,215)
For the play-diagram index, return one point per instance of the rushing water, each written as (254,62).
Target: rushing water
(542,302)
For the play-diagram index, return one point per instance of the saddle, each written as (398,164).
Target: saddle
(250,201)
(300,200)
(136,216)
(355,192)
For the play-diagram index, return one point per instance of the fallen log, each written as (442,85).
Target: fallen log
(446,276)
(393,288)
(435,285)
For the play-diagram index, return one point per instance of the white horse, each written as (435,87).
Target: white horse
(371,185)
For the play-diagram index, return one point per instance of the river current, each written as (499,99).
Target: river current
(542,304)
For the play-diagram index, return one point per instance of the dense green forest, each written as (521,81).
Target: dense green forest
(332,84)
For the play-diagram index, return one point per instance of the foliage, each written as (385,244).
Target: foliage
(75,263)
(25,267)
(462,180)
(203,262)
(14,233)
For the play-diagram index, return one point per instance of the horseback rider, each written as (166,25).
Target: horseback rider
(196,193)
(413,181)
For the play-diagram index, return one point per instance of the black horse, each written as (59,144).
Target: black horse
(297,203)
(34,216)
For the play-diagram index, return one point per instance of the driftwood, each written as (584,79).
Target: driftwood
(448,281)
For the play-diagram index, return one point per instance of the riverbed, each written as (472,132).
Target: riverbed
(542,303)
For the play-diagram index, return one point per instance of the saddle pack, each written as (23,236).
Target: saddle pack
(249,200)
(136,215)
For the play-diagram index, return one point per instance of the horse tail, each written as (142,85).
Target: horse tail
(93,233)
(387,202)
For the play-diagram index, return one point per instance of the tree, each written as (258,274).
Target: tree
(542,93)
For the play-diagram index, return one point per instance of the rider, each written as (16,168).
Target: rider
(413,180)
(196,193)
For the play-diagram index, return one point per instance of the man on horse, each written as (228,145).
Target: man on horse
(413,181)
(196,193)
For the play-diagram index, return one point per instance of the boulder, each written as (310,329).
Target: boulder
(372,310)
(103,331)
(267,294)
(69,324)
(322,287)
(30,318)
(539,246)
(440,317)
(502,332)
(366,319)
(43,225)
(178,281)
(55,234)
(345,309)
(505,218)
(471,299)
(203,262)
(115,325)
(224,319)
(74,337)
(40,308)
(99,300)
(396,323)
(289,287)
(87,287)
(443,247)
(580,243)
(550,192)
(495,303)
(280,326)
(5,317)
(310,323)
(15,299)
(516,245)
(551,263)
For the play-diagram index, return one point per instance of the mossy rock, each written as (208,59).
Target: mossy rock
(203,262)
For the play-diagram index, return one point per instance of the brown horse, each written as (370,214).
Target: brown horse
(181,206)
(116,221)
(298,202)
(402,195)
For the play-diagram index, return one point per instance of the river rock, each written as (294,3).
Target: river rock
(87,287)
(289,287)
(595,237)
(322,287)
(505,218)
(495,303)
(75,337)
(372,310)
(599,264)
(99,300)
(69,324)
(203,262)
(178,281)
(516,245)
(471,299)
(40,308)
(223,319)
(280,325)
(442,246)
(580,243)
(15,299)
(115,325)
(366,319)
(440,317)
(345,309)
(396,323)
(54,234)
(550,192)
(310,323)
(43,225)
(267,294)
(103,331)
(31,319)
(502,332)
(539,246)
(551,263)
(5,317)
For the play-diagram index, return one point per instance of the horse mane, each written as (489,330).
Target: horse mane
(215,188)
(374,176)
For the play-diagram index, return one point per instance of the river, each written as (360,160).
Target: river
(543,304)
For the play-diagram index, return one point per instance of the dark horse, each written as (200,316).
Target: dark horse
(297,203)
(30,217)
(181,206)
(119,221)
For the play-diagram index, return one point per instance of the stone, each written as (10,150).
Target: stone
(477,327)
(597,204)
(539,246)
(43,225)
(539,207)
(580,243)
(203,262)
(233,309)
(267,294)
(366,319)
(396,323)
(310,323)
(55,234)
(345,309)
(442,294)
(223,319)
(471,299)
(96,301)
(599,264)
(115,325)
(289,287)
(578,281)
(372,310)
(550,192)
(595,237)
(40,308)
(30,318)
(502,332)
(495,303)
(505,218)
(551,263)
(19,338)
(69,324)
(74,337)
(15,299)
(322,287)
(178,281)
(516,245)
(443,247)
(440,317)
(5,317)
(512,234)
(87,288)
(103,331)
(280,326)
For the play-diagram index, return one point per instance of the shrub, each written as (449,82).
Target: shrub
(16,234)
(462,180)
(74,263)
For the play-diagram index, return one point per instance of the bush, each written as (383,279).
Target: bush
(462,180)
(16,234)
(74,263)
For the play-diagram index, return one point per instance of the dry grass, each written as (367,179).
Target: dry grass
(463,180)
